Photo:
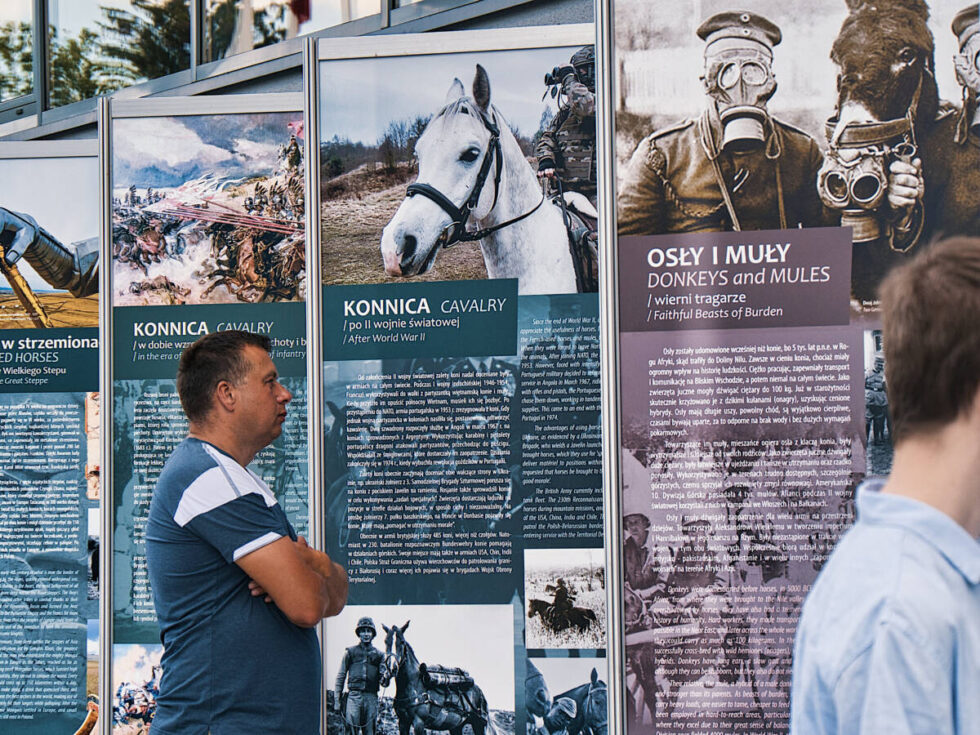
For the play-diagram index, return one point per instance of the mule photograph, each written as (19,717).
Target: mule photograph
(583,680)
(447,670)
(869,90)
(449,167)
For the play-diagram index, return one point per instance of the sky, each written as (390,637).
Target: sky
(467,636)
(62,194)
(168,151)
(359,97)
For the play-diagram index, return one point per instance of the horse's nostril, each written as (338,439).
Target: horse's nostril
(407,247)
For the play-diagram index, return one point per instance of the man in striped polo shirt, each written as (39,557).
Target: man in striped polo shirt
(237,593)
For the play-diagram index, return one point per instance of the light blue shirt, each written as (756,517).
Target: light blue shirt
(889,639)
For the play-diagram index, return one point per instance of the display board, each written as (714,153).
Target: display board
(207,234)
(754,226)
(461,451)
(49,418)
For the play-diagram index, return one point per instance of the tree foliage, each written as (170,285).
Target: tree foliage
(16,60)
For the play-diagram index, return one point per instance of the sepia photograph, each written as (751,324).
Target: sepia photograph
(767,116)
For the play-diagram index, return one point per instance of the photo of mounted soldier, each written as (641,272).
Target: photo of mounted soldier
(565,594)
(439,668)
(49,242)
(566,696)
(208,209)
(841,112)
(469,153)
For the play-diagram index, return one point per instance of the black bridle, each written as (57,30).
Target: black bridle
(456,230)
(861,135)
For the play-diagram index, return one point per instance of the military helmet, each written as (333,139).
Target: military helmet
(365,623)
(583,57)
(583,62)
(567,706)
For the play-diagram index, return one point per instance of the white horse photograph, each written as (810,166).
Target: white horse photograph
(421,183)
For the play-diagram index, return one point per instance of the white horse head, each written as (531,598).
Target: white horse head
(471,168)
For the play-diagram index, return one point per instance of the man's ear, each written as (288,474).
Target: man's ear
(225,395)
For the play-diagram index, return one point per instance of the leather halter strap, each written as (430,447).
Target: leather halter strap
(461,215)
(862,135)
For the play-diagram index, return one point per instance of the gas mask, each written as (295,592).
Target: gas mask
(854,177)
(740,81)
(967,63)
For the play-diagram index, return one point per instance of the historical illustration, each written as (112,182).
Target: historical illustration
(470,152)
(758,116)
(208,209)
(396,668)
(49,242)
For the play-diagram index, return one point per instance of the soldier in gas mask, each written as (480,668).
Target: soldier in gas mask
(966,28)
(567,148)
(735,167)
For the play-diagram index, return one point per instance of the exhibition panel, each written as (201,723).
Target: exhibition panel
(753,227)
(50,483)
(207,206)
(460,357)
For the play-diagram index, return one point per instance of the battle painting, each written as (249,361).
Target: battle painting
(208,209)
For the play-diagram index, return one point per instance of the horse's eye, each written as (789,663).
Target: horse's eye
(469,155)
(906,55)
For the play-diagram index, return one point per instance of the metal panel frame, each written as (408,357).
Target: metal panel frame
(517,39)
(107,526)
(609,361)
(450,42)
(231,104)
(12,150)
(109,110)
(49,149)
(314,319)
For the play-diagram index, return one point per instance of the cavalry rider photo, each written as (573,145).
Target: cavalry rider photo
(363,666)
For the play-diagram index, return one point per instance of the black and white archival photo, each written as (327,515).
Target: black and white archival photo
(565,694)
(416,668)
(565,593)
(767,115)
(877,419)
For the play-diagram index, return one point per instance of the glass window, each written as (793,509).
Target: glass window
(235,26)
(97,46)
(403,3)
(16,47)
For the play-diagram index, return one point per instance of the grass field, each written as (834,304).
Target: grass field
(351,232)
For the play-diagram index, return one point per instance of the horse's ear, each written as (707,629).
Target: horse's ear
(386,628)
(405,626)
(456,90)
(481,89)
(595,675)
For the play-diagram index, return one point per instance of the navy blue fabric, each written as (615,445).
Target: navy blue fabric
(232,663)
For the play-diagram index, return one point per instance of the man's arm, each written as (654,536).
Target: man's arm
(303,582)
